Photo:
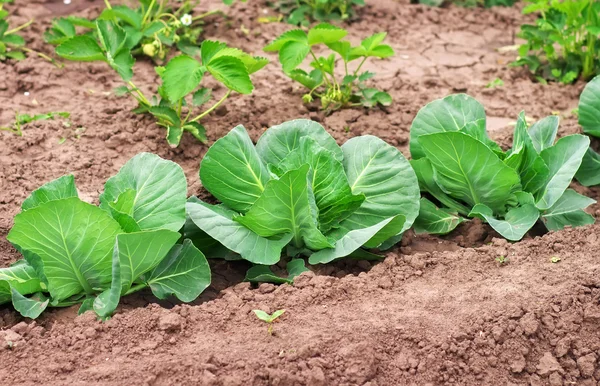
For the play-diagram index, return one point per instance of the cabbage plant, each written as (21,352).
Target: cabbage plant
(297,189)
(466,174)
(75,252)
(589,119)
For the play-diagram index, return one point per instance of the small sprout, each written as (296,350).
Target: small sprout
(269,319)
(186,20)
(554,259)
(502,259)
(495,83)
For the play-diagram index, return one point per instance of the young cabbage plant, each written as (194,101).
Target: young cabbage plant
(465,174)
(78,253)
(304,12)
(335,90)
(153,27)
(269,319)
(563,44)
(180,92)
(297,189)
(589,105)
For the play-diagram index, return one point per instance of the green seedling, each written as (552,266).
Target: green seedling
(562,45)
(180,93)
(335,90)
(465,174)
(554,259)
(502,259)
(495,83)
(298,191)
(90,255)
(269,319)
(153,27)
(304,12)
(23,119)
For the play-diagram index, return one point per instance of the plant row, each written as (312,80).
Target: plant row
(295,193)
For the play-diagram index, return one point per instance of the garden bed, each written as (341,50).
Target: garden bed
(435,310)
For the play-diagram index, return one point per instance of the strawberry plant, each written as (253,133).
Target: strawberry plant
(153,27)
(463,173)
(335,91)
(304,12)
(180,92)
(589,105)
(563,44)
(299,190)
(78,253)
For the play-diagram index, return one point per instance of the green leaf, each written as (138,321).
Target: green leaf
(62,187)
(589,105)
(434,220)
(295,35)
(325,33)
(563,160)
(543,132)
(292,54)
(112,37)
(122,211)
(161,191)
(128,15)
(372,47)
(263,274)
(197,130)
(278,141)
(448,114)
(348,243)
(74,245)
(286,206)
(174,134)
(589,171)
(310,81)
(516,223)
(232,73)
(123,64)
(182,75)
(166,114)
(184,273)
(201,96)
(263,316)
(217,223)
(81,48)
(469,171)
(233,171)
(333,194)
(29,307)
(568,211)
(20,277)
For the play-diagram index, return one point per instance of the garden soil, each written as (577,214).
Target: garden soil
(465,309)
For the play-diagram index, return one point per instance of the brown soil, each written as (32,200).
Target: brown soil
(437,310)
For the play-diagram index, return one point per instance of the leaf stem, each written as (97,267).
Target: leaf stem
(139,92)
(17,29)
(202,16)
(107,3)
(320,67)
(212,108)
(147,14)
(359,66)
(44,56)
(136,288)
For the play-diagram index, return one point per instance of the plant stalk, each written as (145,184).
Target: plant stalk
(210,110)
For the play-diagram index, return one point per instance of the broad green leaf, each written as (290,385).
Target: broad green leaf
(469,171)
(122,211)
(62,187)
(233,172)
(384,176)
(209,48)
(278,141)
(589,171)
(174,134)
(310,81)
(543,132)
(292,54)
(210,247)
(434,220)
(372,47)
(344,49)
(295,35)
(166,114)
(20,277)
(112,37)
(74,245)
(232,73)
(389,233)
(161,191)
(333,194)
(325,33)
(184,273)
(86,305)
(201,96)
(30,307)
(81,48)
(348,243)
(563,160)
(197,130)
(218,223)
(516,223)
(451,113)
(128,15)
(123,64)
(263,274)
(286,206)
(589,108)
(426,177)
(568,211)
(182,75)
